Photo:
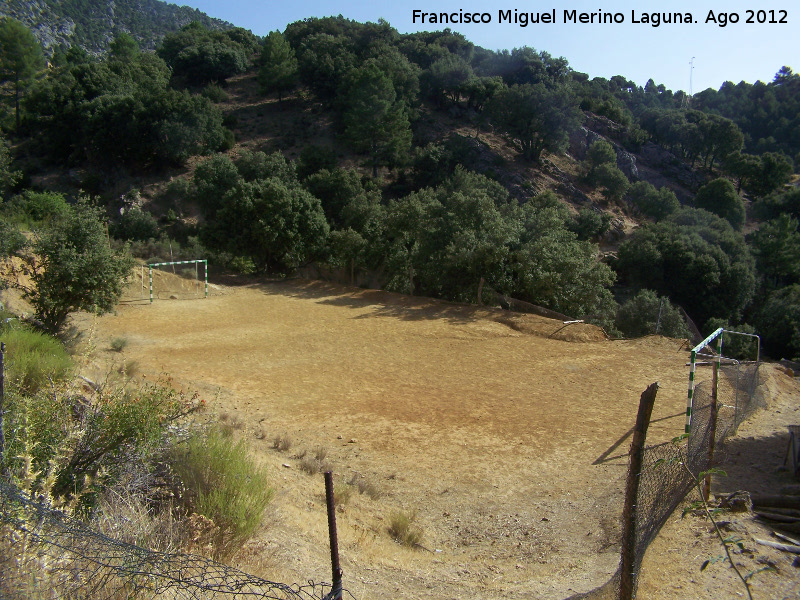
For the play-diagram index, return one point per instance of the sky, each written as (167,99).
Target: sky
(689,56)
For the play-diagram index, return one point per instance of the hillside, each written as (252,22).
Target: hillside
(93,25)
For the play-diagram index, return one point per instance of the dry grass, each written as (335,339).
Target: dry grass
(282,443)
(403,529)
(366,486)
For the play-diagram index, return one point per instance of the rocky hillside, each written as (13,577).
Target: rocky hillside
(93,25)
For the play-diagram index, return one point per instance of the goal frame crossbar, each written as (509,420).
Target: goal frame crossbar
(178,262)
(718,358)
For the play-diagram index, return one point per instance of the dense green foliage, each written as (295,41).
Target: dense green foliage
(657,204)
(198,56)
(121,113)
(647,314)
(77,269)
(20,57)
(258,209)
(720,197)
(695,258)
(278,66)
(536,117)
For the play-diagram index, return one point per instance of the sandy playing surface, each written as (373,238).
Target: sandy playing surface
(505,434)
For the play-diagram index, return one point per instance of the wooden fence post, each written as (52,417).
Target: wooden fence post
(627,584)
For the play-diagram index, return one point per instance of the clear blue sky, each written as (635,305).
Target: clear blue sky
(736,52)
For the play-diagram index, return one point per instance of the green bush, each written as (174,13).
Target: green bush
(135,224)
(215,93)
(224,484)
(641,314)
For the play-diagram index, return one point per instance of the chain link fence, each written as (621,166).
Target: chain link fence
(664,480)
(45,555)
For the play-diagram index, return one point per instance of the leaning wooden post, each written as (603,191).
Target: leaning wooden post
(627,584)
(336,586)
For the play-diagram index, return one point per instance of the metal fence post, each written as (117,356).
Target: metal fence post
(336,586)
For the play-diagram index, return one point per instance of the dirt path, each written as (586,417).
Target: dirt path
(507,443)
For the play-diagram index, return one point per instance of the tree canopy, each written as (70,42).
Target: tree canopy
(78,269)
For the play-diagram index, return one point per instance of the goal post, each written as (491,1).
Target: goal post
(716,336)
(179,262)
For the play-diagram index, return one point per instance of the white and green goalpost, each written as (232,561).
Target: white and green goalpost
(717,361)
(179,262)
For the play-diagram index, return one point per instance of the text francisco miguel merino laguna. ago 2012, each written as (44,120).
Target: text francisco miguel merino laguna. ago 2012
(600,17)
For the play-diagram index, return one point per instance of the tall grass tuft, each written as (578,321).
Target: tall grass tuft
(403,529)
(33,359)
(223,483)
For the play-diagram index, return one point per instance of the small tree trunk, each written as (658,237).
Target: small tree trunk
(480,291)
(411,280)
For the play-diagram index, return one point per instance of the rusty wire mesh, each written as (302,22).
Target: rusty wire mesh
(664,480)
(45,555)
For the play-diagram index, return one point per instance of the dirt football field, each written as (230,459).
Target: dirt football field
(505,436)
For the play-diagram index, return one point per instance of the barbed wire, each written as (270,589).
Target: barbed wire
(46,555)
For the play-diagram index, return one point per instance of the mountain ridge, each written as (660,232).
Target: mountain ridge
(93,27)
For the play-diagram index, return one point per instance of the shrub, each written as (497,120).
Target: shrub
(118,344)
(657,204)
(282,443)
(215,93)
(640,315)
(224,484)
(403,530)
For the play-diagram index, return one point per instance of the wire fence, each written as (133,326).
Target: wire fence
(45,555)
(664,480)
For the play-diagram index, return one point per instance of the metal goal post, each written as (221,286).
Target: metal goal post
(717,356)
(178,262)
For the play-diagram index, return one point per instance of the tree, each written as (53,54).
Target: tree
(200,56)
(773,171)
(647,314)
(613,181)
(538,118)
(552,268)
(20,57)
(374,121)
(599,153)
(78,269)
(778,321)
(657,204)
(278,70)
(447,77)
(776,247)
(124,47)
(694,257)
(276,223)
(720,197)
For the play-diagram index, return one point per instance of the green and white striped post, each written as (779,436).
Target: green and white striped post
(179,262)
(692,368)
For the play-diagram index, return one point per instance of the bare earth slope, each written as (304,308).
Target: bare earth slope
(506,437)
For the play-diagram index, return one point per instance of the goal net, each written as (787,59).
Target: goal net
(178,280)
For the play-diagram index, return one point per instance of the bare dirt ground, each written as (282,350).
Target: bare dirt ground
(506,435)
